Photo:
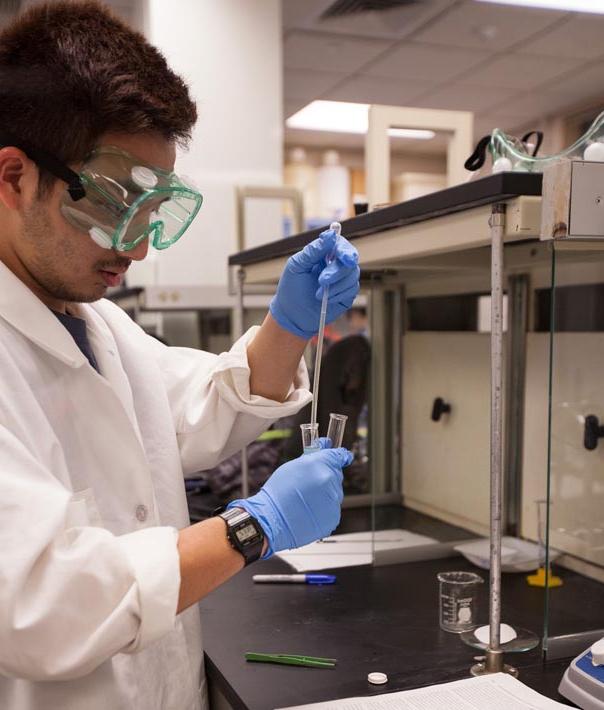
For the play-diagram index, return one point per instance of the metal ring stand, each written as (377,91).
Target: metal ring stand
(493,662)
(238,330)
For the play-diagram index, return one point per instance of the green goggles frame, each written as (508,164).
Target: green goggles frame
(173,189)
(80,186)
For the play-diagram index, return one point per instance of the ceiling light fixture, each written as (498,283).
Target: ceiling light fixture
(594,6)
(418,134)
(344,117)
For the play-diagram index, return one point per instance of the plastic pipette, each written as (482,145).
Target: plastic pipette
(337,228)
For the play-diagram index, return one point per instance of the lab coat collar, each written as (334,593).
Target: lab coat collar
(20,307)
(108,358)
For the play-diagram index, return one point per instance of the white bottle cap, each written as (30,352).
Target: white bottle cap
(377,678)
(297,155)
(594,152)
(502,165)
(331,157)
(597,653)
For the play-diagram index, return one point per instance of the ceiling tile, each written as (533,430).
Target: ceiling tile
(578,38)
(554,98)
(311,50)
(487,26)
(464,97)
(302,14)
(290,107)
(395,23)
(586,82)
(485,124)
(374,90)
(305,84)
(426,62)
(515,71)
(534,105)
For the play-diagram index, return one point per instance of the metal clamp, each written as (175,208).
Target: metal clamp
(439,408)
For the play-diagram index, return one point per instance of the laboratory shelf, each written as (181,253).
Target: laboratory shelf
(494,188)
(449,220)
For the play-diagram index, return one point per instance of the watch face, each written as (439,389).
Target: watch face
(246,533)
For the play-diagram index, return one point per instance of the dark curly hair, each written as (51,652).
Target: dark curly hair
(72,71)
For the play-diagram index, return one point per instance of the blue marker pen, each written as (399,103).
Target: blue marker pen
(295,578)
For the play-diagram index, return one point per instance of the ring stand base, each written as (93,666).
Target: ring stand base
(479,669)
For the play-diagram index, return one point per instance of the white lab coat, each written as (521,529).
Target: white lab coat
(91,497)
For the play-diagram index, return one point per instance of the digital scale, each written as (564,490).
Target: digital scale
(583,682)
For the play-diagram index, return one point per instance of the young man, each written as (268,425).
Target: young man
(99,573)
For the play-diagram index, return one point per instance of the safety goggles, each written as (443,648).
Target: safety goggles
(509,153)
(120,200)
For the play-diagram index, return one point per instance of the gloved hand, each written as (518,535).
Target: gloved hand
(297,304)
(301,501)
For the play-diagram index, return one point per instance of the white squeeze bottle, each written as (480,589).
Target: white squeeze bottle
(333,182)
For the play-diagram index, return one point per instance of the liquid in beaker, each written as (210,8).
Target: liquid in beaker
(458,601)
(310,438)
(335,431)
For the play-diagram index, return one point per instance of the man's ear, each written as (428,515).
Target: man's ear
(18,177)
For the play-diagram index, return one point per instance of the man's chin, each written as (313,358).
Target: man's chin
(93,296)
(80,296)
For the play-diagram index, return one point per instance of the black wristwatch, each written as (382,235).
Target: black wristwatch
(244,532)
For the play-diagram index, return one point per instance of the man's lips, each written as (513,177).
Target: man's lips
(116,270)
(113,277)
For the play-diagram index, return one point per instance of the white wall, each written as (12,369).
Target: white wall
(446,464)
(229,52)
(577,488)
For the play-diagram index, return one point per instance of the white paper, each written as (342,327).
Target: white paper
(506,634)
(493,692)
(350,549)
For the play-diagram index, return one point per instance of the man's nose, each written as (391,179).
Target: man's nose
(140,250)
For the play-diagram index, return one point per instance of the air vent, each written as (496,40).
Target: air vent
(342,8)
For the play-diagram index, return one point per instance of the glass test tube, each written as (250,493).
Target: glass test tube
(335,431)
(310,437)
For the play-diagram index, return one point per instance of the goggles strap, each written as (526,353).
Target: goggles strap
(48,162)
(476,160)
(538,135)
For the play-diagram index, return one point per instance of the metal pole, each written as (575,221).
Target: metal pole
(518,294)
(396,368)
(238,329)
(497,225)
(494,656)
(379,388)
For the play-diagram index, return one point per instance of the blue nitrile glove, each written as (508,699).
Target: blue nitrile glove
(297,304)
(301,501)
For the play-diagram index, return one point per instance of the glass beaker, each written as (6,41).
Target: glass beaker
(310,438)
(335,430)
(458,600)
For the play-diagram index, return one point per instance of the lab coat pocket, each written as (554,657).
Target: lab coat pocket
(82,510)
